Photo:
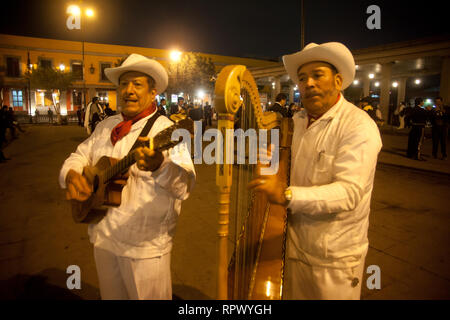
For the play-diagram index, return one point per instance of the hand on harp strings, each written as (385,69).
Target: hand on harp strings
(146,158)
(271,185)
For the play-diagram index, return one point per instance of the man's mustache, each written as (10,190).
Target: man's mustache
(312,94)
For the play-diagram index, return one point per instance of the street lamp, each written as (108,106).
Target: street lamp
(175,55)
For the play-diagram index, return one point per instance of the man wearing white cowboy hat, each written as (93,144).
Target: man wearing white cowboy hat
(334,154)
(132,243)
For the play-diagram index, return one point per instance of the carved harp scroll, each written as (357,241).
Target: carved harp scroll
(257,258)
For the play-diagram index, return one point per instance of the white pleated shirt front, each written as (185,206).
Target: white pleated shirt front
(144,224)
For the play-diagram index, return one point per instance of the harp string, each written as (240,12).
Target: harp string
(247,220)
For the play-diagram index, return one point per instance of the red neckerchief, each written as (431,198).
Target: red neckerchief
(311,120)
(122,129)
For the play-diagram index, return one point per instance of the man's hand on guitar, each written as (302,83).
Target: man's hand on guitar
(146,158)
(78,187)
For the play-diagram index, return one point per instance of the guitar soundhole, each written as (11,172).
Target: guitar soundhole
(96,183)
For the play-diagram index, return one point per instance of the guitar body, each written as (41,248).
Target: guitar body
(104,195)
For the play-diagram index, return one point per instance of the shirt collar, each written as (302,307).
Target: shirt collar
(139,124)
(330,114)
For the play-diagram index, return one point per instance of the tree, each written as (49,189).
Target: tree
(51,80)
(191,73)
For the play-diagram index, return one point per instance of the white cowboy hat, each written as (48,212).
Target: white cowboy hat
(334,53)
(136,62)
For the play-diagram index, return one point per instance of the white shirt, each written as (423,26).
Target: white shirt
(144,224)
(332,170)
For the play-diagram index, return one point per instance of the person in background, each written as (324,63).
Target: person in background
(108,111)
(79,117)
(280,105)
(440,120)
(207,111)
(179,108)
(50,115)
(400,113)
(418,120)
(162,108)
(93,115)
(3,126)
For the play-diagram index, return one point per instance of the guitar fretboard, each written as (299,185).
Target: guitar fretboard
(119,167)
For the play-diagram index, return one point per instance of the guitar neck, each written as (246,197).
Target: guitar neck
(119,167)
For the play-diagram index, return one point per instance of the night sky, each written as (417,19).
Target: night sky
(260,29)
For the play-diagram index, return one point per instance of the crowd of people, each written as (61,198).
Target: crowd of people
(420,117)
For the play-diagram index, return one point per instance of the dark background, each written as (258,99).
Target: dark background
(263,29)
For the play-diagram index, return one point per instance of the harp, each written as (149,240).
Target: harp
(253,266)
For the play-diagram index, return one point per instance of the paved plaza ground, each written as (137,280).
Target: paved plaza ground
(409,228)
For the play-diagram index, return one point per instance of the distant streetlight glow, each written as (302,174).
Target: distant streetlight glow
(90,12)
(201,94)
(175,55)
(417,81)
(62,67)
(73,9)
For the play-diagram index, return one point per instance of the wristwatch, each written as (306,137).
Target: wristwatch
(288,196)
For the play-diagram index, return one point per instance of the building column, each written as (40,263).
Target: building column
(366,87)
(444,91)
(277,89)
(91,93)
(401,90)
(63,103)
(385,84)
(291,93)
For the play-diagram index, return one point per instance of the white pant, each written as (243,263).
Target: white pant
(306,282)
(122,278)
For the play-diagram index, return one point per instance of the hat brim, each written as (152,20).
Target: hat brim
(149,67)
(334,53)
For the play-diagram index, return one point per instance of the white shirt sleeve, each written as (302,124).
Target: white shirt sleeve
(77,160)
(352,174)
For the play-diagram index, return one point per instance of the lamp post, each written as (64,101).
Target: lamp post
(175,56)
(302,40)
(75,21)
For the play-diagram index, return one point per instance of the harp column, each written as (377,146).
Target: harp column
(224,177)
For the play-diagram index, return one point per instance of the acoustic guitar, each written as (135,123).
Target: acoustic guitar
(109,176)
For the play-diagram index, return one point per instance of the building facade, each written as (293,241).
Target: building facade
(390,74)
(19,55)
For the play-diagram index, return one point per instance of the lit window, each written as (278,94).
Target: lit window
(17,96)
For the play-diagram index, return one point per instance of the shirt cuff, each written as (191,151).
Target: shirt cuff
(63,174)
